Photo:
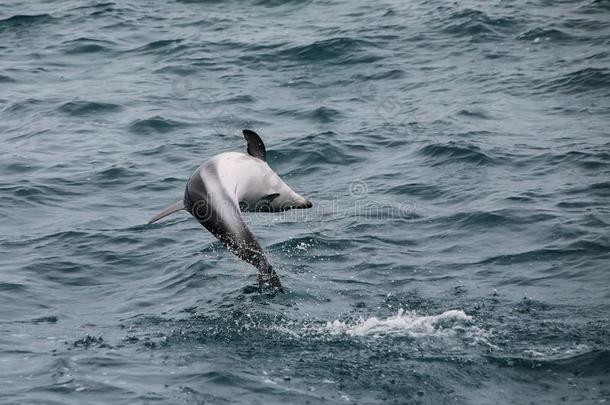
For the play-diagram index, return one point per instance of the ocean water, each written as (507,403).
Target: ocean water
(457,155)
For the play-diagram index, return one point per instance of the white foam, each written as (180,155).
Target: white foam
(558,352)
(407,323)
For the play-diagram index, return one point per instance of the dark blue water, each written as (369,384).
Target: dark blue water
(458,158)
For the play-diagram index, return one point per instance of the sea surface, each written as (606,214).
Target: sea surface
(457,154)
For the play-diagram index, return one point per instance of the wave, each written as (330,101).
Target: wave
(43,193)
(201,1)
(591,362)
(600,188)
(155,124)
(425,191)
(386,74)
(474,113)
(8,286)
(579,81)
(595,7)
(321,148)
(23,21)
(161,47)
(113,175)
(279,3)
(83,107)
(6,79)
(86,45)
(588,159)
(320,114)
(309,244)
(64,272)
(456,153)
(44,319)
(546,34)
(576,250)
(478,25)
(54,191)
(324,115)
(97,9)
(342,50)
(28,104)
(500,217)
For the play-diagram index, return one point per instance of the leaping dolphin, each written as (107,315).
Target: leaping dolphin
(232,182)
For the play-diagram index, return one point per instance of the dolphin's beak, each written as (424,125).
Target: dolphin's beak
(306,204)
(300,202)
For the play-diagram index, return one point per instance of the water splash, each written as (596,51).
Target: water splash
(409,323)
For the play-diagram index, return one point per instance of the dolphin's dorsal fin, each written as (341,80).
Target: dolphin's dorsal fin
(256,147)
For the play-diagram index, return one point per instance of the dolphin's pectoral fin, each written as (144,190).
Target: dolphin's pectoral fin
(271,197)
(264,205)
(175,207)
(256,147)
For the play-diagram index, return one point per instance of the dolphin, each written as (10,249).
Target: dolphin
(228,184)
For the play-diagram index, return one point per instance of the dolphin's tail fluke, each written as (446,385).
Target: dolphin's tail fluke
(175,207)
